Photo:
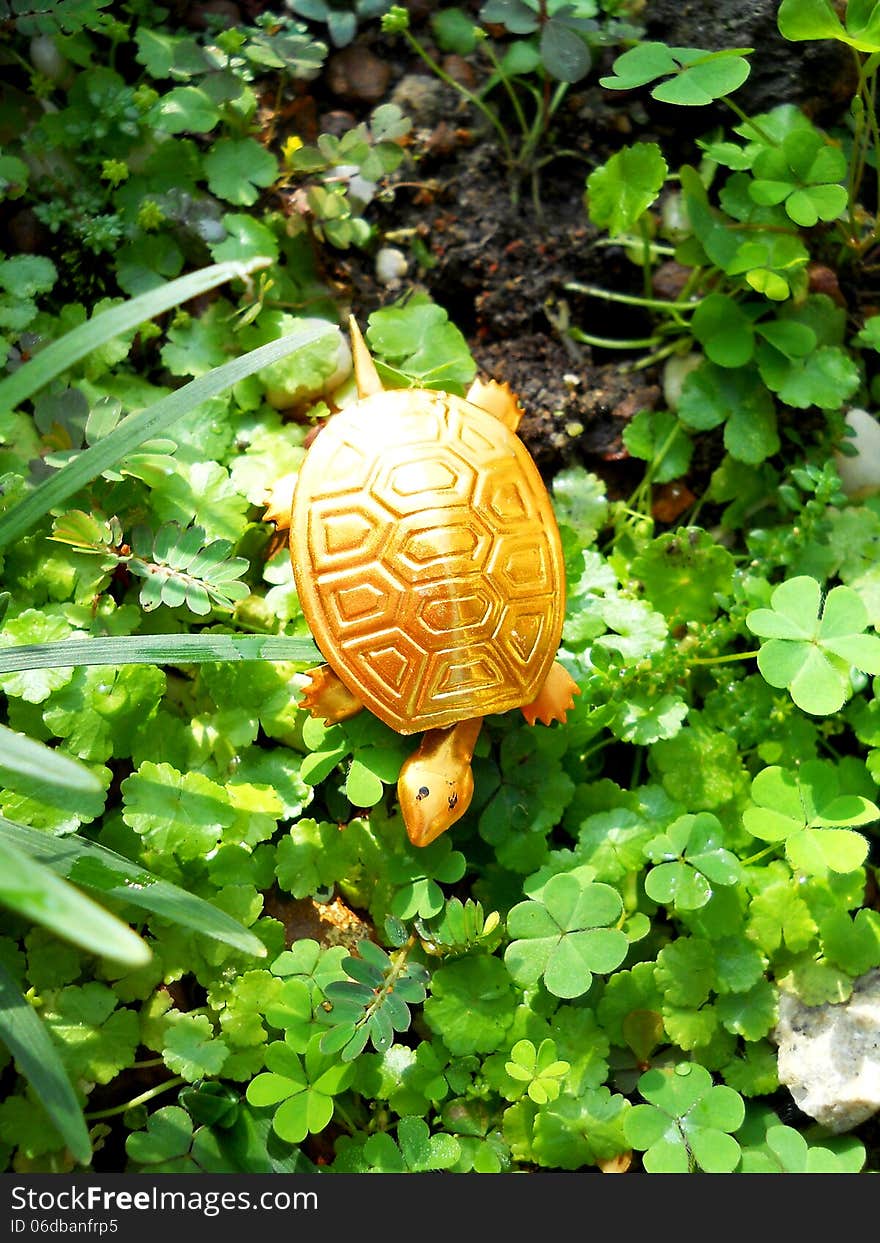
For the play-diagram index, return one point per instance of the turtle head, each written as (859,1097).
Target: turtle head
(436,784)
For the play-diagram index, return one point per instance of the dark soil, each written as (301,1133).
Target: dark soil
(499,264)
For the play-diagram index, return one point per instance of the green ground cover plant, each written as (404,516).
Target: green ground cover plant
(207,894)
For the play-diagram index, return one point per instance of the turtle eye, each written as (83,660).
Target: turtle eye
(423,793)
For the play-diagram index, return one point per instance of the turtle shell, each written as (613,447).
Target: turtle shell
(427,559)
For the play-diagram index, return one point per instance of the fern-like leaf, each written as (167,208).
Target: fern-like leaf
(373,1003)
(180,569)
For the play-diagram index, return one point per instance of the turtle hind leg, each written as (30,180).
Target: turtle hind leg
(436,783)
(555,698)
(326,697)
(496,399)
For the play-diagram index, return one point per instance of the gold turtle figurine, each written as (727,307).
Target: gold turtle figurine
(429,568)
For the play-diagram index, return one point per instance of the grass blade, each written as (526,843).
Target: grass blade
(144,425)
(157,649)
(34,891)
(103,871)
(28,1041)
(76,344)
(28,758)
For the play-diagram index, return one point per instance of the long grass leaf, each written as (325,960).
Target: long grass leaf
(28,1041)
(34,891)
(157,649)
(56,357)
(29,758)
(104,872)
(143,425)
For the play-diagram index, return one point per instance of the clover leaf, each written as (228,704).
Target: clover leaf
(724,329)
(657,437)
(691,860)
(417,872)
(416,1152)
(804,173)
(537,1072)
(771,1148)
(563,936)
(806,809)
(164,1147)
(816,19)
(303,1090)
(810,648)
(801,373)
(687,1122)
(694,77)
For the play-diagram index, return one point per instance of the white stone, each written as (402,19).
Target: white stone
(860,475)
(676,371)
(390,265)
(829,1055)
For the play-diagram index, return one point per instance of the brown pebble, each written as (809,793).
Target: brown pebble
(670,279)
(337,123)
(356,73)
(459,70)
(670,501)
(824,280)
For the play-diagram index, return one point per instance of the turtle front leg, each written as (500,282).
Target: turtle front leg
(436,783)
(554,699)
(328,698)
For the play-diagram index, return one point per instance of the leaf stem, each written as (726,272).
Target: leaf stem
(630,299)
(746,119)
(136,1100)
(722,660)
(609,343)
(768,850)
(473,99)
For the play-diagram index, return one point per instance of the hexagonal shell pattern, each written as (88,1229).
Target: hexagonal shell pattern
(427,559)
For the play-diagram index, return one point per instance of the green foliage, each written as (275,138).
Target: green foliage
(538,1072)
(562,936)
(588,964)
(561,47)
(341,16)
(817,19)
(690,861)
(417,341)
(61,17)
(693,77)
(687,1123)
(812,644)
(302,1088)
(621,190)
(178,567)
(373,1003)
(805,810)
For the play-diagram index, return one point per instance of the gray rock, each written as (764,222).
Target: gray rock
(425,100)
(829,1055)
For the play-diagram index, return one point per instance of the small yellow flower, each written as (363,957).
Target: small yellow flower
(291,145)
